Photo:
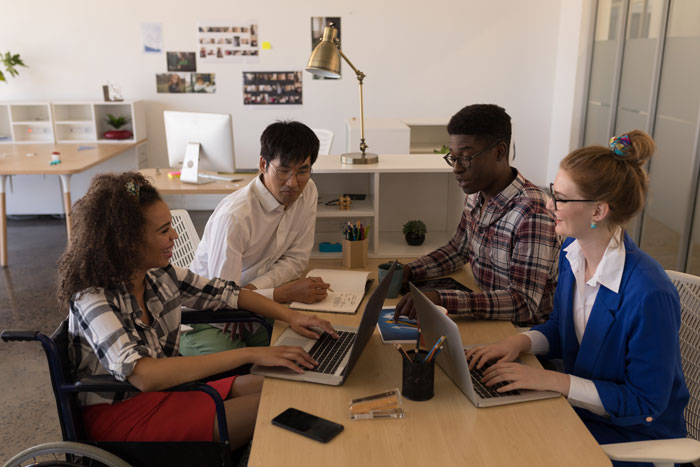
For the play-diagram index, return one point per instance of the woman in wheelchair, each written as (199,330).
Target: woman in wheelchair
(125,304)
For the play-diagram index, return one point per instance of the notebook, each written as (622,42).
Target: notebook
(434,324)
(403,331)
(344,352)
(348,287)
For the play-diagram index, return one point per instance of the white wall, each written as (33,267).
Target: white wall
(422,59)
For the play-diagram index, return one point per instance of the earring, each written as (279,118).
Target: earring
(593,225)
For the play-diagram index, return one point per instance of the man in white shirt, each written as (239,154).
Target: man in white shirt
(261,236)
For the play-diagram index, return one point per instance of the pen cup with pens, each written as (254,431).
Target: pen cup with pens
(355,241)
(418,373)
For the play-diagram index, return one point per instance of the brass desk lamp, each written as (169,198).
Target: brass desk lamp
(325,61)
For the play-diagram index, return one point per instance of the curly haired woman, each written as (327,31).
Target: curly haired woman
(125,304)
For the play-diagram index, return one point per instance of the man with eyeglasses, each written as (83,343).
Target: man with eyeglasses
(261,236)
(506,233)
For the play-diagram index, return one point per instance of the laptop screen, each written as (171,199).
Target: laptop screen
(369,318)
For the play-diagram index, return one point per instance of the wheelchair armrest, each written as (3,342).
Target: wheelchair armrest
(227,315)
(102,383)
(676,450)
(10,335)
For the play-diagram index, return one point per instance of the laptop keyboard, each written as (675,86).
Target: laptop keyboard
(329,352)
(488,392)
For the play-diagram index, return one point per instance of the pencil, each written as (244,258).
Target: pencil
(402,351)
(434,348)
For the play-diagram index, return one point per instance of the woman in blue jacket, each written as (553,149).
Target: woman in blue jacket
(616,313)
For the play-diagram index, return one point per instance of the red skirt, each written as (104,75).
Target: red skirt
(157,416)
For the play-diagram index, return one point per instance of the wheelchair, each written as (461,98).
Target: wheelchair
(77,450)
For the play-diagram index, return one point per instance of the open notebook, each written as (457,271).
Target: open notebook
(348,287)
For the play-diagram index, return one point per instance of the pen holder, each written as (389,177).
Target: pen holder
(355,253)
(418,378)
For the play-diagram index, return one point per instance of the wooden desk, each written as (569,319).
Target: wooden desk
(166,186)
(73,161)
(446,430)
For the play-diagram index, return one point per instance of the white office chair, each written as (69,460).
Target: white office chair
(187,241)
(666,452)
(325,137)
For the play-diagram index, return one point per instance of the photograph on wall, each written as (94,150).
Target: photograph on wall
(202,82)
(182,61)
(217,43)
(172,82)
(318,24)
(152,38)
(272,88)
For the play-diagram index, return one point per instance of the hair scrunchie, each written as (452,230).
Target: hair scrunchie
(132,188)
(619,145)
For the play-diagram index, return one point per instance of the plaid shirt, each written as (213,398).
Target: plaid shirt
(109,337)
(512,249)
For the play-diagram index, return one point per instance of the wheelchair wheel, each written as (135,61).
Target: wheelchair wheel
(65,453)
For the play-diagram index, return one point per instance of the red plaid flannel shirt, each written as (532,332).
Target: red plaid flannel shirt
(513,252)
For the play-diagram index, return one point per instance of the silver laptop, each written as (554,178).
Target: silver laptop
(336,356)
(434,324)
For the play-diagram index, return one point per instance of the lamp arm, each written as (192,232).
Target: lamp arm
(360,75)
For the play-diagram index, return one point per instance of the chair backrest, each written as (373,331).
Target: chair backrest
(689,291)
(187,241)
(325,138)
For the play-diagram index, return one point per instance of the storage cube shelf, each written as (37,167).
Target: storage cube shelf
(68,122)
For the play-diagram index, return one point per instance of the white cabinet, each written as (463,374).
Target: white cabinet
(68,122)
(401,187)
(398,136)
(26,123)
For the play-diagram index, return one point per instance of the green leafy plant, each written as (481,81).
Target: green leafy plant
(10,62)
(116,122)
(443,150)
(416,227)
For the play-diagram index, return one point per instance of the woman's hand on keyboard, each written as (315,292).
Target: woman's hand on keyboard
(505,351)
(519,376)
(281,355)
(310,325)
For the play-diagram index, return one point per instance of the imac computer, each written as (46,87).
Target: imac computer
(199,141)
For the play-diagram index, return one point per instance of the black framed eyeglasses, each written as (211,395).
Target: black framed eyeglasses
(466,162)
(556,200)
(285,173)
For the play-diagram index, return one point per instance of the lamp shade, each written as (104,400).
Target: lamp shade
(325,59)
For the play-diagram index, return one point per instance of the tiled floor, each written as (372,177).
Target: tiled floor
(27,301)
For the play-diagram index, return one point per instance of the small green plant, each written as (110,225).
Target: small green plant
(443,150)
(116,122)
(416,227)
(10,61)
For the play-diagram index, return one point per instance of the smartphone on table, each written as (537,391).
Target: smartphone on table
(308,425)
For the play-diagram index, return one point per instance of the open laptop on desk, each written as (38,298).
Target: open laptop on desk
(434,324)
(337,357)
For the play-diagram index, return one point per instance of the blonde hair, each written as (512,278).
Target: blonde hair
(620,180)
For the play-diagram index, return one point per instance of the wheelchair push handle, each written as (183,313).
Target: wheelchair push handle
(9,335)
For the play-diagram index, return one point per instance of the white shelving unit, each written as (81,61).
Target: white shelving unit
(398,136)
(401,187)
(23,123)
(67,122)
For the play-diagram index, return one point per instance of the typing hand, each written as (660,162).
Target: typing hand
(505,351)
(519,376)
(282,355)
(308,325)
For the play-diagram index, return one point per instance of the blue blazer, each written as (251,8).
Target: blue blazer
(629,350)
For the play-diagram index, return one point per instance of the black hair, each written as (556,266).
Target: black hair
(488,122)
(291,141)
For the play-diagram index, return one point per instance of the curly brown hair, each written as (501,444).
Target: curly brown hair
(107,231)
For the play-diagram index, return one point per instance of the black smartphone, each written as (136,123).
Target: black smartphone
(308,425)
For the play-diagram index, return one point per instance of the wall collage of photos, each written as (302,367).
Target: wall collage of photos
(218,43)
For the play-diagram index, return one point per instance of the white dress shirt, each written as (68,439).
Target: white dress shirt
(582,392)
(251,239)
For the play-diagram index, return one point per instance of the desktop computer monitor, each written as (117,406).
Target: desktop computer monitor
(199,141)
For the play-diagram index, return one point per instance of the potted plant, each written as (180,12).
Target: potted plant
(116,123)
(414,232)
